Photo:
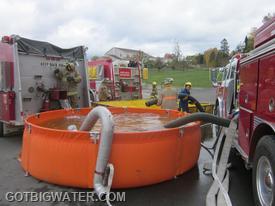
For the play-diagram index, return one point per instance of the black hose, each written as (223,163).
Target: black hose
(205,117)
(151,102)
(196,102)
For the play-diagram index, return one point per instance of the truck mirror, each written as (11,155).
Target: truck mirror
(213,76)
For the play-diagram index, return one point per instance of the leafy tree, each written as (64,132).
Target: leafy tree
(221,59)
(149,63)
(196,59)
(215,58)
(199,59)
(159,63)
(210,57)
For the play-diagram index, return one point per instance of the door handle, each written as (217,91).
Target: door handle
(246,99)
(271,105)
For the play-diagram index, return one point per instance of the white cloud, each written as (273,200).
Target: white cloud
(149,25)
(17,16)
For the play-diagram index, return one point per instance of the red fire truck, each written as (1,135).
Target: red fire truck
(248,89)
(122,79)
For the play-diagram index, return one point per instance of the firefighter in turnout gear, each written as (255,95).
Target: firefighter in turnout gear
(168,96)
(69,79)
(103,93)
(154,93)
(183,96)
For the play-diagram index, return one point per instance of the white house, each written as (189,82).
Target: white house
(127,54)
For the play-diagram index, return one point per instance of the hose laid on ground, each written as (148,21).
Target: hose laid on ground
(199,116)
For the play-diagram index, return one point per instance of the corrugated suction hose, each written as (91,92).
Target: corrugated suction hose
(196,102)
(199,116)
(105,146)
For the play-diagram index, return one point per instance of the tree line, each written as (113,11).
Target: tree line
(212,57)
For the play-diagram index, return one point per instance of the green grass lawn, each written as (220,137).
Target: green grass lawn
(199,77)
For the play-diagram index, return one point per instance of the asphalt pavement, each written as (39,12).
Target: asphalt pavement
(188,189)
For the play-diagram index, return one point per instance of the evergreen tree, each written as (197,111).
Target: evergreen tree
(224,47)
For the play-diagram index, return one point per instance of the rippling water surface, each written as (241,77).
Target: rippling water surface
(126,122)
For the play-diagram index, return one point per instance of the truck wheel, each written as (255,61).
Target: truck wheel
(263,172)
(1,129)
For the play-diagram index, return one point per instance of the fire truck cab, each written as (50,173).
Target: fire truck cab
(226,79)
(247,89)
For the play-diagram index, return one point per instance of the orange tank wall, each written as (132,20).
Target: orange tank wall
(139,158)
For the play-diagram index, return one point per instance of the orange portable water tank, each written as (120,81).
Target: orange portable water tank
(139,158)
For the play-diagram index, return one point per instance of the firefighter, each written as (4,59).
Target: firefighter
(69,79)
(183,96)
(154,93)
(103,94)
(168,96)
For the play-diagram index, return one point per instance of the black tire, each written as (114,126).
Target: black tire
(1,129)
(264,161)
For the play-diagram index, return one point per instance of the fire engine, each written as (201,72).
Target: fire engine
(121,78)
(247,88)
(27,81)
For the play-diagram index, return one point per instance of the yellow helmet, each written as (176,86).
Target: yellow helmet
(154,83)
(188,84)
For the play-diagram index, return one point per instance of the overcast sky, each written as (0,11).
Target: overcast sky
(149,25)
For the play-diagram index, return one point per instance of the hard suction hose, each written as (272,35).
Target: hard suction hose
(199,116)
(196,102)
(204,117)
(151,102)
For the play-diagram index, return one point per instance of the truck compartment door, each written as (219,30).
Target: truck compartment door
(245,129)
(7,106)
(266,96)
(248,85)
(6,76)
